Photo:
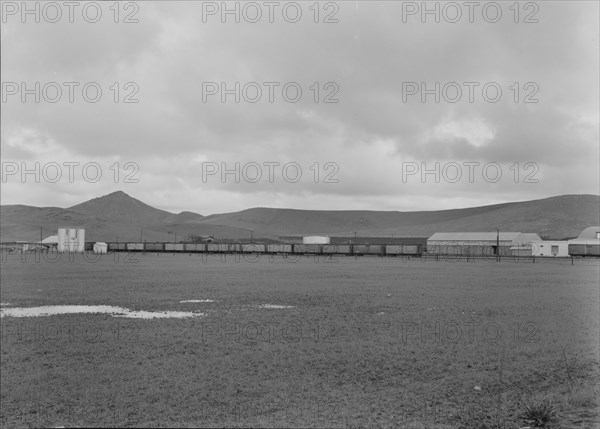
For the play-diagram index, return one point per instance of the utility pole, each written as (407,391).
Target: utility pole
(498,245)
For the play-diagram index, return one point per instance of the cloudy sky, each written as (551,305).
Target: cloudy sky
(374,106)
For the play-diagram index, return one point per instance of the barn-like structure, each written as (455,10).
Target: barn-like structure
(480,243)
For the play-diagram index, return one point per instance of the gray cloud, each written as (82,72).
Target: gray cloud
(368,134)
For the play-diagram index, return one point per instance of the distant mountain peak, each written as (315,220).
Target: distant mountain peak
(122,207)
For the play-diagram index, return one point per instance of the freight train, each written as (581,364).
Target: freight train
(299,249)
(418,250)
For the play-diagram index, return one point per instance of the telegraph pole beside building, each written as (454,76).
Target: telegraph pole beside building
(498,245)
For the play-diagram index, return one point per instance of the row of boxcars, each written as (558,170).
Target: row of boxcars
(307,249)
(321,249)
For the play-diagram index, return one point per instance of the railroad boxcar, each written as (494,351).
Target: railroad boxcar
(154,247)
(135,247)
(411,249)
(193,247)
(330,249)
(368,249)
(307,248)
(235,247)
(394,249)
(336,249)
(253,248)
(279,248)
(117,246)
(174,247)
(592,250)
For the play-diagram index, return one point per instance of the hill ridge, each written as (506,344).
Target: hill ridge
(120,215)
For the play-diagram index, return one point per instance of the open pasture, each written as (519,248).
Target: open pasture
(346,342)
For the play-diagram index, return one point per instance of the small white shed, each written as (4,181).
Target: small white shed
(556,249)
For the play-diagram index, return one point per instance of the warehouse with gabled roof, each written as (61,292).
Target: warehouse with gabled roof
(479,243)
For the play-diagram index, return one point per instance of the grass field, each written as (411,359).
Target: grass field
(369,342)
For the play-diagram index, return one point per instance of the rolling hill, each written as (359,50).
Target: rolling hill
(120,215)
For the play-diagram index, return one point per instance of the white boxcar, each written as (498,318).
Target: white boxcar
(194,247)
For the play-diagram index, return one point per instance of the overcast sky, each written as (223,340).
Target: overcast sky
(365,151)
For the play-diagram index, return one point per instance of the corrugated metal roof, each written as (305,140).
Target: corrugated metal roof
(527,237)
(474,236)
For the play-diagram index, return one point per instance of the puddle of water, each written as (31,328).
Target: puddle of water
(159,314)
(274,306)
(198,300)
(51,310)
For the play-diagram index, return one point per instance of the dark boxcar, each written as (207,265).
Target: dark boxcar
(235,247)
(592,250)
(135,247)
(154,247)
(577,249)
(212,247)
(338,249)
(329,249)
(584,249)
(307,248)
(368,249)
